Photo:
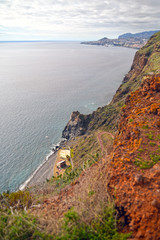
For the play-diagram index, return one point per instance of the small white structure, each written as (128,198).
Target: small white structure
(64,153)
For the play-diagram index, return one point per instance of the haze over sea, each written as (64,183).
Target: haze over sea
(41,83)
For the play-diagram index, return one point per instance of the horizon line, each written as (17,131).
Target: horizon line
(40,41)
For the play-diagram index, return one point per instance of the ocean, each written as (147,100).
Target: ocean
(41,83)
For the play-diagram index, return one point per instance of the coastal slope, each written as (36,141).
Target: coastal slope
(146,61)
(134,117)
(128,172)
(113,191)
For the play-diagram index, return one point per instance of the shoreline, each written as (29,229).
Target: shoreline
(45,170)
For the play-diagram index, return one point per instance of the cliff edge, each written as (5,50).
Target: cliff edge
(76,126)
(146,62)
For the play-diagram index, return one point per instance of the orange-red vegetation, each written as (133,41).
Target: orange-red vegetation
(135,161)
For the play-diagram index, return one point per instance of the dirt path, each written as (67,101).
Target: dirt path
(99,136)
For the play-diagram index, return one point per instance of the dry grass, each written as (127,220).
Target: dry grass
(85,149)
(87,195)
(92,196)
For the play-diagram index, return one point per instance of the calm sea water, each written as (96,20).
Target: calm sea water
(40,85)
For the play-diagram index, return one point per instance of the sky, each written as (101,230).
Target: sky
(76,19)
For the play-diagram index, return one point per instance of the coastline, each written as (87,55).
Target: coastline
(45,170)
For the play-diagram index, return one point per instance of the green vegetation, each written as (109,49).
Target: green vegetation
(15,223)
(104,227)
(105,118)
(91,193)
(130,120)
(145,126)
(19,199)
(143,164)
(150,136)
(158,137)
(72,153)
(21,226)
(155,158)
(147,62)
(107,142)
(141,150)
(152,144)
(149,47)
(70,175)
(86,151)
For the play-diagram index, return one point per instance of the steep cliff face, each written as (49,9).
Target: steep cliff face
(135,161)
(76,126)
(146,61)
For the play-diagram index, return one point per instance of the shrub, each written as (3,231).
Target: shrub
(104,227)
(130,120)
(18,200)
(19,227)
(152,144)
(155,158)
(143,164)
(150,136)
(141,150)
(145,126)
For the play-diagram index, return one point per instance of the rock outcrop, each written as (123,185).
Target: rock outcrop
(76,126)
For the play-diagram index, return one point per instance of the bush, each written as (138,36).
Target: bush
(19,227)
(18,200)
(102,228)
(150,136)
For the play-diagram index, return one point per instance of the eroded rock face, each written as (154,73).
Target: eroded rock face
(76,126)
(137,67)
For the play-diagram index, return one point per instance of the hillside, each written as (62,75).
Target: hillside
(137,40)
(113,191)
(146,35)
(135,160)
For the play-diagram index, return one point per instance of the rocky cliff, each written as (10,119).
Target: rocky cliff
(76,126)
(146,61)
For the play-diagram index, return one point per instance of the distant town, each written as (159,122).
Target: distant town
(129,40)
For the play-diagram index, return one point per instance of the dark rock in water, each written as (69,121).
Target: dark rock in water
(76,126)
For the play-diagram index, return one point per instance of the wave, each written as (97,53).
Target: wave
(53,151)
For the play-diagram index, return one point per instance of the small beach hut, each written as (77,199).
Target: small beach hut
(61,164)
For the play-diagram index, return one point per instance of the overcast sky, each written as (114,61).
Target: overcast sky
(76,19)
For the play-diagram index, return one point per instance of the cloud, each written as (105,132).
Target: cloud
(78,19)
